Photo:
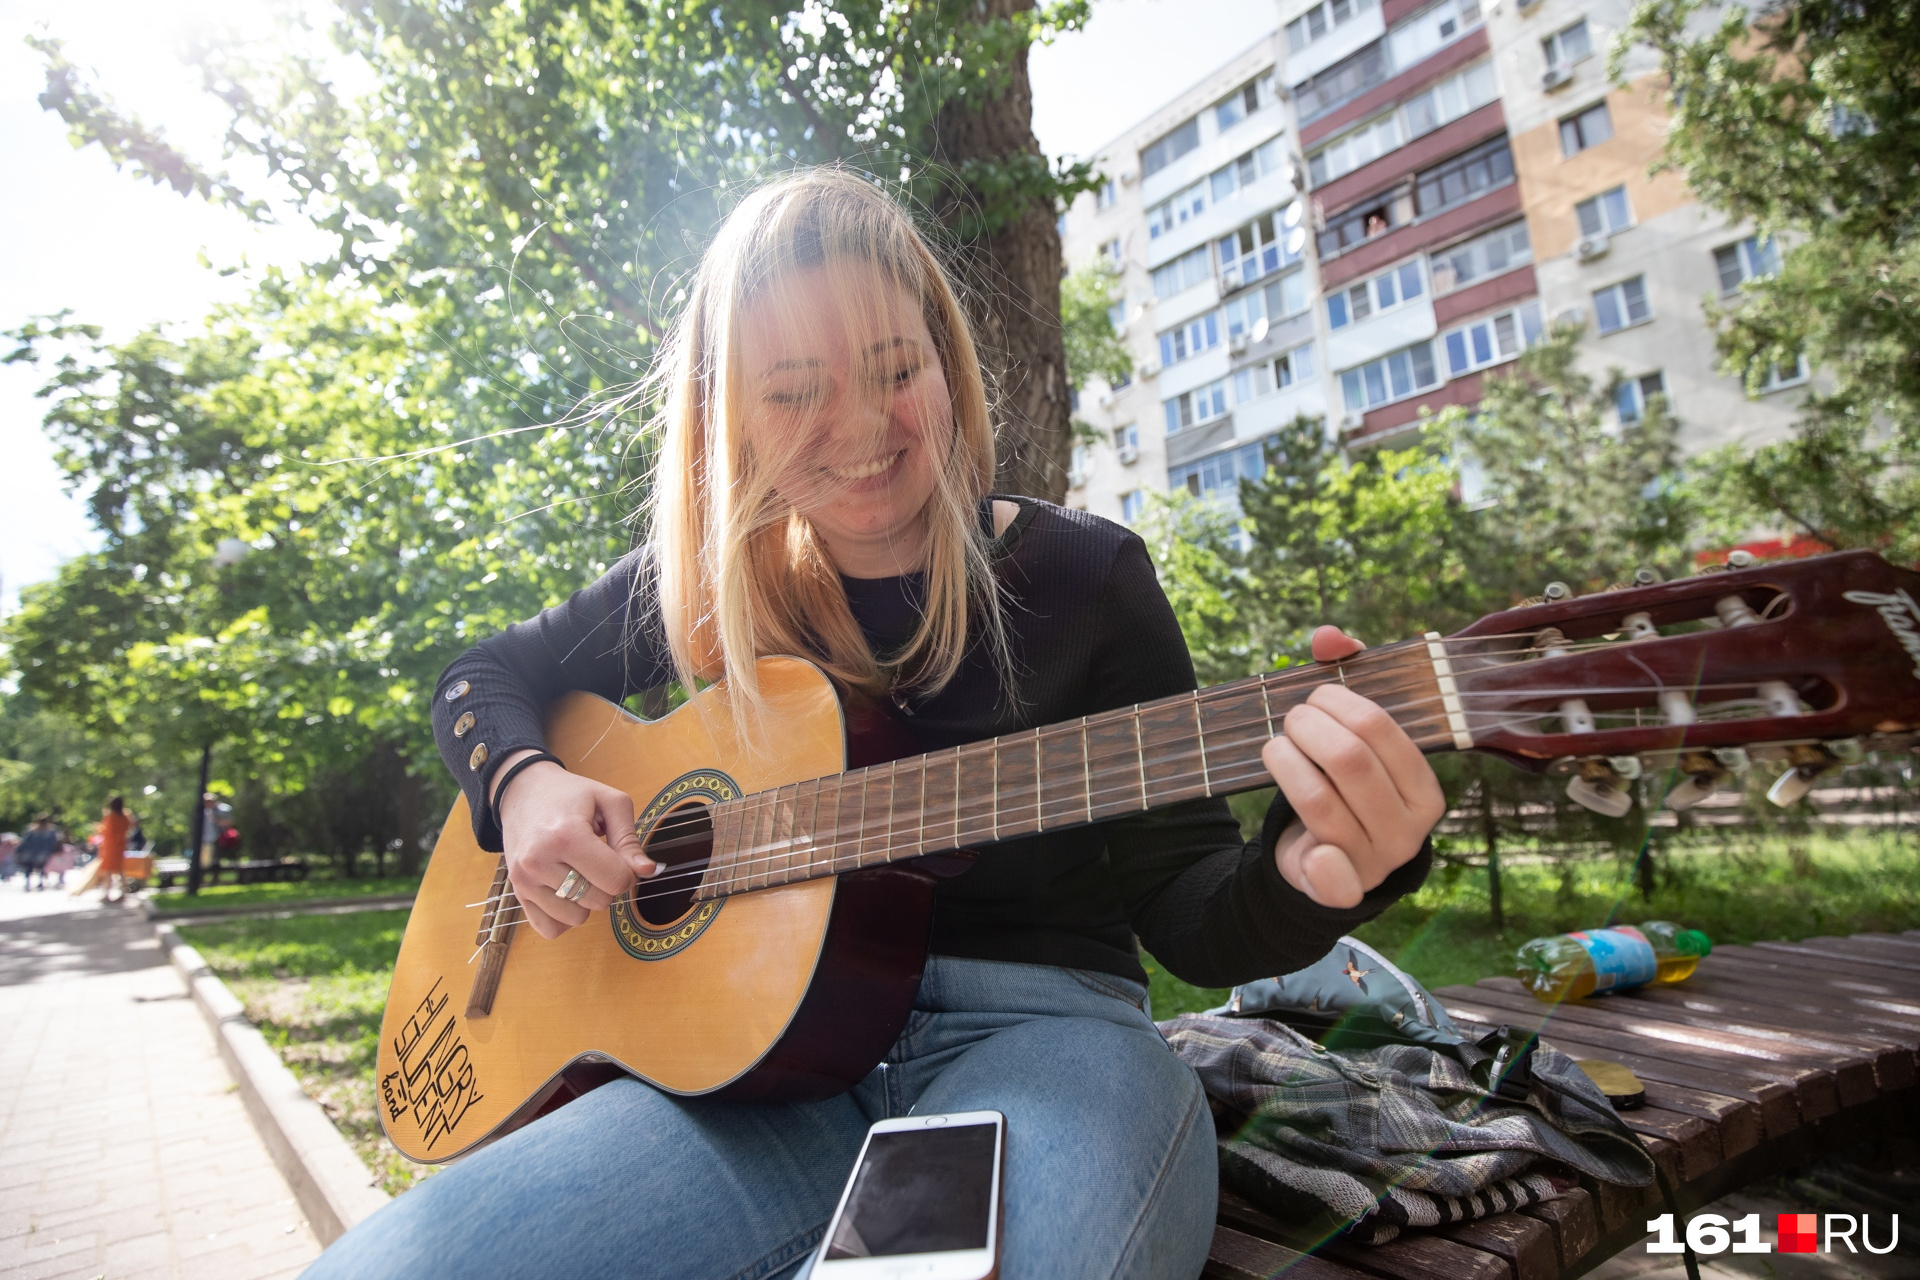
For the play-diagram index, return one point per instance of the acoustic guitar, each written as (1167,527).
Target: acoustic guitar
(777,953)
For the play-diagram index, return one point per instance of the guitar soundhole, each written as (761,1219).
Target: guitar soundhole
(681,842)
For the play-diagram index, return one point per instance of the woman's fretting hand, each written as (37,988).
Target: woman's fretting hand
(554,821)
(1364,795)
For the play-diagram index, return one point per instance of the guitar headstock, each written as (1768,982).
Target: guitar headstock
(1806,661)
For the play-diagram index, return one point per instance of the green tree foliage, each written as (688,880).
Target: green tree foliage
(1807,122)
(1094,349)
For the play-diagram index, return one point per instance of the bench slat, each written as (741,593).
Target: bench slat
(1526,1243)
(1576,1226)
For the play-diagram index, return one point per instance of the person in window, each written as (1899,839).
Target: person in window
(823,488)
(1376,225)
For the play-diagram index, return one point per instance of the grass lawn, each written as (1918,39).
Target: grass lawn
(1443,934)
(278,895)
(315,984)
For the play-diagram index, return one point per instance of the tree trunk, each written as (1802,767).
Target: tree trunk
(1010,275)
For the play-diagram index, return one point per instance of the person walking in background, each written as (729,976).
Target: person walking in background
(113,849)
(36,849)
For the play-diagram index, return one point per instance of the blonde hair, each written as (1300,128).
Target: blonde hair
(741,572)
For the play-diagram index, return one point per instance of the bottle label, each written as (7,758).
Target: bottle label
(1622,957)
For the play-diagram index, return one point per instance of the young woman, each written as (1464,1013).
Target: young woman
(114,825)
(822,489)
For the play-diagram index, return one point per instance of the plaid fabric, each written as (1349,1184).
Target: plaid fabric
(1392,1137)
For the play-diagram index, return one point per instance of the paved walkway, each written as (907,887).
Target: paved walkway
(124,1149)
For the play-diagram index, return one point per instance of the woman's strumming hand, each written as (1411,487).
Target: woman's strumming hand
(1364,795)
(553,821)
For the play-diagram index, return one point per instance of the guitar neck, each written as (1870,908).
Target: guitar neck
(1099,767)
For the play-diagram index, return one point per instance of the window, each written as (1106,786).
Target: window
(1568,45)
(1127,437)
(1751,259)
(1388,289)
(1619,305)
(1245,171)
(1255,250)
(1605,213)
(1424,112)
(1107,196)
(1237,107)
(1351,150)
(1452,98)
(1393,377)
(1203,404)
(1170,148)
(1168,214)
(1435,28)
(1263,379)
(1492,339)
(1499,250)
(1133,504)
(1322,18)
(1590,128)
(1286,296)
(1112,251)
(1218,475)
(1342,82)
(1462,178)
(1190,339)
(1633,395)
(1079,466)
(1184,272)
(1117,317)
(1374,218)
(1792,376)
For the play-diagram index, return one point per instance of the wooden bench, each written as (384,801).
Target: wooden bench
(1770,1056)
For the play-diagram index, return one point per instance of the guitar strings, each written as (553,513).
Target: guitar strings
(741,870)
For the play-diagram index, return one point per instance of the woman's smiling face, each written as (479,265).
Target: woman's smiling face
(847,405)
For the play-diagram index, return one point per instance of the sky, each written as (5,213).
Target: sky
(120,253)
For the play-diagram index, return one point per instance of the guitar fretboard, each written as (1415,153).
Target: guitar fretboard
(1104,766)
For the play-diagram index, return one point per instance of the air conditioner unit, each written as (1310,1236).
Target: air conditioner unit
(1591,247)
(1128,177)
(1569,315)
(1076,478)
(1353,422)
(1104,399)
(1150,370)
(1556,77)
(1127,454)
(1237,343)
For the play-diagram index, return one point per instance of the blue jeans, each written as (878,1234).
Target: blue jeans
(1110,1166)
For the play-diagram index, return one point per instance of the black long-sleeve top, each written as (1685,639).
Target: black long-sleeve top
(1089,630)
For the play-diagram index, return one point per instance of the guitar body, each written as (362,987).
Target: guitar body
(790,992)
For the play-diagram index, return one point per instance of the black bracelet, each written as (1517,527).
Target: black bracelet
(500,791)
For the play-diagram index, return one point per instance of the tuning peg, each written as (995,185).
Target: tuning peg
(1646,576)
(1734,758)
(1704,776)
(1793,785)
(1556,592)
(1601,785)
(1741,560)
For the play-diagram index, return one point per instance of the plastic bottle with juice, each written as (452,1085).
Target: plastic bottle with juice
(1572,966)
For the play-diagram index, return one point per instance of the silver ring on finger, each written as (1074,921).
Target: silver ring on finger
(574,887)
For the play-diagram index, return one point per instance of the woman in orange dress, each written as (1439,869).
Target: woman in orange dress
(113,848)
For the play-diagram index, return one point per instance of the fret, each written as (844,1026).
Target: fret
(1200,740)
(881,796)
(860,823)
(1233,725)
(1018,792)
(1086,767)
(1266,706)
(806,804)
(973,806)
(1116,780)
(763,823)
(1172,758)
(726,822)
(939,811)
(920,831)
(1064,774)
(787,799)
(838,850)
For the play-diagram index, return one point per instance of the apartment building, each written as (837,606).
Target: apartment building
(1374,207)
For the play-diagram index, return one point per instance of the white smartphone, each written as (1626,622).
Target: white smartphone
(923,1201)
